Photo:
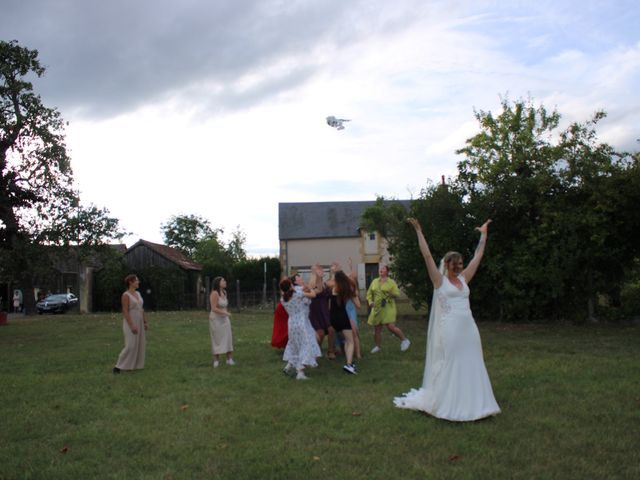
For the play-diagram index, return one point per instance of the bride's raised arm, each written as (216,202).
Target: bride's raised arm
(432,268)
(472,268)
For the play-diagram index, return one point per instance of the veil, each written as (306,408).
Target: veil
(435,349)
(426,398)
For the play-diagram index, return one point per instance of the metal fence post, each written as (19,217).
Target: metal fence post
(238,303)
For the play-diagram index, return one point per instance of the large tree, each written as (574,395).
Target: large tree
(39,207)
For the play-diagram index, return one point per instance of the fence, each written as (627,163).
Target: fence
(241,296)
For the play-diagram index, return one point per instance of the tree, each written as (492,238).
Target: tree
(38,204)
(235,247)
(565,224)
(35,170)
(185,232)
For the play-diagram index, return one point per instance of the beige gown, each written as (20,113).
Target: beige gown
(132,355)
(220,330)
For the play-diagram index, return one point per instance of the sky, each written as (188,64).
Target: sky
(218,108)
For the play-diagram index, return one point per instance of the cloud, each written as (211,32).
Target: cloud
(218,108)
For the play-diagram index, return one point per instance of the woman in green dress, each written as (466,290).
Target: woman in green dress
(381,299)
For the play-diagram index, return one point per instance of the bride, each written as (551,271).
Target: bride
(455,385)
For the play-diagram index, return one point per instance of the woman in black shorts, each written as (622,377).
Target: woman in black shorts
(342,291)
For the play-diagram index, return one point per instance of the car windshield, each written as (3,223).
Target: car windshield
(56,298)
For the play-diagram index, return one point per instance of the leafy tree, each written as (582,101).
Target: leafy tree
(38,205)
(214,258)
(564,207)
(235,247)
(185,232)
(508,175)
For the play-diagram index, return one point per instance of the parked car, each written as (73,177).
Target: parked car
(57,303)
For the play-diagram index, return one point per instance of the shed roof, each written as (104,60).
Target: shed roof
(172,254)
(307,220)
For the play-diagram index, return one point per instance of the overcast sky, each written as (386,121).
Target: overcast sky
(217,107)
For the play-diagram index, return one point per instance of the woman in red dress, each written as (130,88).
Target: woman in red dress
(280,334)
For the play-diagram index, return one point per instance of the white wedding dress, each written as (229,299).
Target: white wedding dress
(455,385)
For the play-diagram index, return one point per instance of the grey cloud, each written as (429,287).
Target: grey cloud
(109,57)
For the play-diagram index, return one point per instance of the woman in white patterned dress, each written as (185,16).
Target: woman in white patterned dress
(455,385)
(302,348)
(134,325)
(220,324)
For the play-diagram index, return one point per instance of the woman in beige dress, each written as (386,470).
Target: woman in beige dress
(219,323)
(134,325)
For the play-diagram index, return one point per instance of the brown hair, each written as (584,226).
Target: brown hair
(216,285)
(345,287)
(286,287)
(129,279)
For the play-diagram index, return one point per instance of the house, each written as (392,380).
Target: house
(324,232)
(179,290)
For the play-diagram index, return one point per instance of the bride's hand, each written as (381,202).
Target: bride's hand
(414,223)
(485,227)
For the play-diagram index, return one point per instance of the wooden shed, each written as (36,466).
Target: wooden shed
(168,278)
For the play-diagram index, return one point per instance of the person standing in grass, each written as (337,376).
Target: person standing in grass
(319,311)
(279,336)
(352,306)
(134,326)
(342,292)
(381,299)
(302,347)
(455,385)
(220,323)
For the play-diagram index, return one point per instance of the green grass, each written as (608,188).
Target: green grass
(570,399)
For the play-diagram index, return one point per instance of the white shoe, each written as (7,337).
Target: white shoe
(216,364)
(231,362)
(287,369)
(375,349)
(301,376)
(350,368)
(404,345)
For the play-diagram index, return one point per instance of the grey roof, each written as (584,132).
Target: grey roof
(321,219)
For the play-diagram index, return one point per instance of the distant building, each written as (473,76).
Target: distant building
(329,231)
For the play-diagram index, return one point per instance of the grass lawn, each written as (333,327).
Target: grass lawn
(570,398)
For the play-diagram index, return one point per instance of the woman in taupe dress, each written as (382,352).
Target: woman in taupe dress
(134,325)
(219,323)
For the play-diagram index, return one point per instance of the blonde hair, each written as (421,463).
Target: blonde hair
(449,257)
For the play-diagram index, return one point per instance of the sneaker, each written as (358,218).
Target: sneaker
(287,369)
(216,364)
(116,370)
(301,375)
(349,368)
(375,349)
(231,362)
(404,345)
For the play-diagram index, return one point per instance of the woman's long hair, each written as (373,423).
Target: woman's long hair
(345,288)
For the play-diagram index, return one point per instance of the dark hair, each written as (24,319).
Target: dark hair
(286,287)
(216,284)
(345,287)
(129,279)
